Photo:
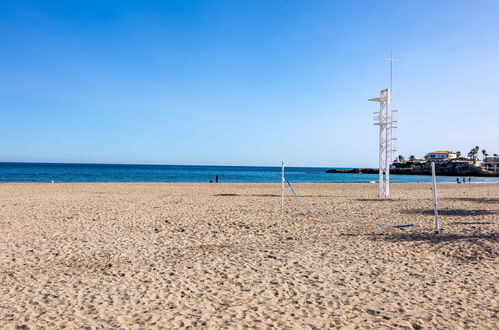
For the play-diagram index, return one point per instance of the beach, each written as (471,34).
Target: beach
(200,255)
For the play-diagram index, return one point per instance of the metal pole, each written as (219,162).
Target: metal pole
(282,186)
(381,164)
(388,139)
(391,70)
(435,202)
(391,60)
(382,139)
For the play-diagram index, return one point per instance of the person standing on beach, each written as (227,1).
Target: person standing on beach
(216,178)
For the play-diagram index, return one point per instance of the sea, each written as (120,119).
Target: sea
(64,172)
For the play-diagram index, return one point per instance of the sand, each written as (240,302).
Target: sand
(170,255)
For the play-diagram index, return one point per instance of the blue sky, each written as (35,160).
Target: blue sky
(243,82)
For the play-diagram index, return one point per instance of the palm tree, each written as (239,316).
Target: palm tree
(472,154)
(412,158)
(495,155)
(484,153)
(458,154)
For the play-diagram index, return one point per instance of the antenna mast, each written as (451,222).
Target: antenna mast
(391,60)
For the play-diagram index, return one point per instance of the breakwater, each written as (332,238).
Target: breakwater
(444,168)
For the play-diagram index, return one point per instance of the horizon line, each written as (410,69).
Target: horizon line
(152,164)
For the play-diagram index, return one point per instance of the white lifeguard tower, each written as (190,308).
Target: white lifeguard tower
(387,120)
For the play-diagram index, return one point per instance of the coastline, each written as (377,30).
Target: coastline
(224,255)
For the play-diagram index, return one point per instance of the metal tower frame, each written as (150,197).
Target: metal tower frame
(387,121)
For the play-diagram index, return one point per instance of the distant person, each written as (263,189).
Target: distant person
(464,179)
(211,181)
(216,178)
(457,180)
(469,179)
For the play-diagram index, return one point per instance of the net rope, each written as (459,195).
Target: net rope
(335,218)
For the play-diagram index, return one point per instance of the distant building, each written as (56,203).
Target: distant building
(491,164)
(419,160)
(416,160)
(441,155)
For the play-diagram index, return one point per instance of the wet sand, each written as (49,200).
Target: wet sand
(152,255)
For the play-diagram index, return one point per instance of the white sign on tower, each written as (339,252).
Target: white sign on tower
(388,123)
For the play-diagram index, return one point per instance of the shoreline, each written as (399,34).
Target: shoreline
(240,183)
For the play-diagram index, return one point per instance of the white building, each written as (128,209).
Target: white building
(441,155)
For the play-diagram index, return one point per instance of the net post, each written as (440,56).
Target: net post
(435,201)
(282,186)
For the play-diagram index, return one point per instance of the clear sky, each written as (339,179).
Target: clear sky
(243,82)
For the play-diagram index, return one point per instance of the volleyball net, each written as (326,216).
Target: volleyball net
(340,219)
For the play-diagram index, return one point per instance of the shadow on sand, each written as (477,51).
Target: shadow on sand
(381,199)
(470,223)
(267,195)
(436,238)
(485,200)
(452,212)
(462,247)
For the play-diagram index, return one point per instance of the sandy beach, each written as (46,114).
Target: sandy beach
(172,255)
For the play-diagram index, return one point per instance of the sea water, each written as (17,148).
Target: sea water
(48,172)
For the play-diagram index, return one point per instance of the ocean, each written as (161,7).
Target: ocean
(59,172)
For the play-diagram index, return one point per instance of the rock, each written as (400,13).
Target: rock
(445,168)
